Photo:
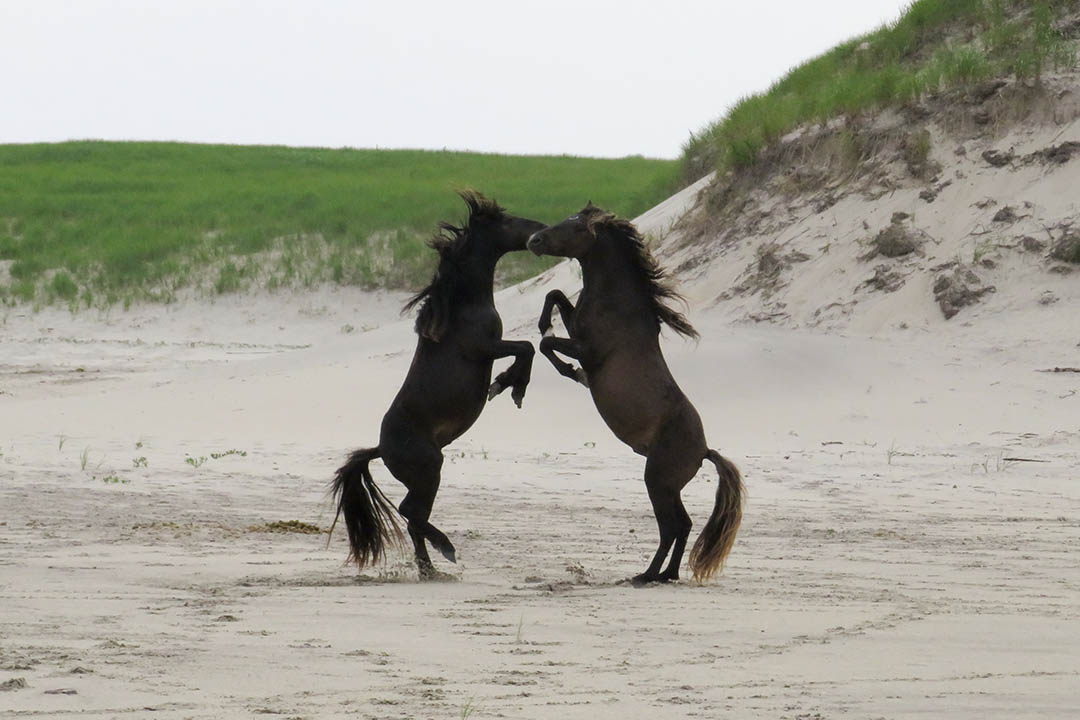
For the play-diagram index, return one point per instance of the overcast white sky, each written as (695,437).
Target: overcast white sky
(600,78)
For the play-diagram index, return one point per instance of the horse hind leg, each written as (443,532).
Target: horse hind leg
(683,526)
(420,474)
(667,471)
(673,523)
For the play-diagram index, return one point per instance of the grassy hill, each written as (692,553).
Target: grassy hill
(935,46)
(96,223)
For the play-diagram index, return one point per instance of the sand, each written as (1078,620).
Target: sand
(908,550)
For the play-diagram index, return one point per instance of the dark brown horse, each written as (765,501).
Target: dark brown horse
(445,389)
(615,335)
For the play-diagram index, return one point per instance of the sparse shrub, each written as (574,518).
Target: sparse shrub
(894,241)
(230,278)
(63,286)
(1067,249)
(916,152)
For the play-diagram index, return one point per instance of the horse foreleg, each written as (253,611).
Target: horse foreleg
(553,299)
(570,348)
(518,374)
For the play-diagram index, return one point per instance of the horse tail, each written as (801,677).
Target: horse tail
(369,517)
(713,545)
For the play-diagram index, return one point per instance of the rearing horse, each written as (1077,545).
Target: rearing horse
(445,389)
(615,335)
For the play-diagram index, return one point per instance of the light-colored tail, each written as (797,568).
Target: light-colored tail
(713,545)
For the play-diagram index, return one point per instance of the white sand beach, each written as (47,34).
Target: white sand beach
(909,547)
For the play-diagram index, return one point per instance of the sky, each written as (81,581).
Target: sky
(595,78)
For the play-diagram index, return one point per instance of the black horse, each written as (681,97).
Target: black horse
(445,389)
(614,334)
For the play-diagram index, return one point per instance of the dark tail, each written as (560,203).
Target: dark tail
(714,543)
(369,517)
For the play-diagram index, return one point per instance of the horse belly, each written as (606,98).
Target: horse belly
(631,404)
(445,398)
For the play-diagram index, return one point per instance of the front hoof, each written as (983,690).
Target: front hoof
(494,390)
(581,377)
(518,395)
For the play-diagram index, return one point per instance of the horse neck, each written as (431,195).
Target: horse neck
(609,273)
(477,280)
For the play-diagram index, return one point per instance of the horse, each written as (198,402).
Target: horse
(459,338)
(614,333)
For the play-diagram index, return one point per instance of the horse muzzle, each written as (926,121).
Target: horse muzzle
(536,243)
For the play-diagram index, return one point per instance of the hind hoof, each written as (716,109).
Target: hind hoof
(646,579)
(447,550)
(430,574)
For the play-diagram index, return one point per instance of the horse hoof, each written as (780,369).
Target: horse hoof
(430,574)
(449,553)
(644,579)
(494,390)
(437,576)
(581,377)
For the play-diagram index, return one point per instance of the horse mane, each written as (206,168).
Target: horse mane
(451,242)
(653,276)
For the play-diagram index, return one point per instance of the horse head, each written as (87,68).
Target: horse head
(573,237)
(489,226)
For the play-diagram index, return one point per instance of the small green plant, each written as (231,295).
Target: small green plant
(468,708)
(60,440)
(1067,249)
(917,149)
(84,457)
(195,462)
(226,453)
(520,637)
(138,445)
(115,480)
(981,250)
(140,462)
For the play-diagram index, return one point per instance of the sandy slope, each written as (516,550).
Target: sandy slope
(894,561)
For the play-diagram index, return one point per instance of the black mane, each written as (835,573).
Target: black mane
(654,278)
(451,242)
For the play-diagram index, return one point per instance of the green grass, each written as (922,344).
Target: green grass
(97,223)
(934,46)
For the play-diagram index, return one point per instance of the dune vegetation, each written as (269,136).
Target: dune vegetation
(933,47)
(100,223)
